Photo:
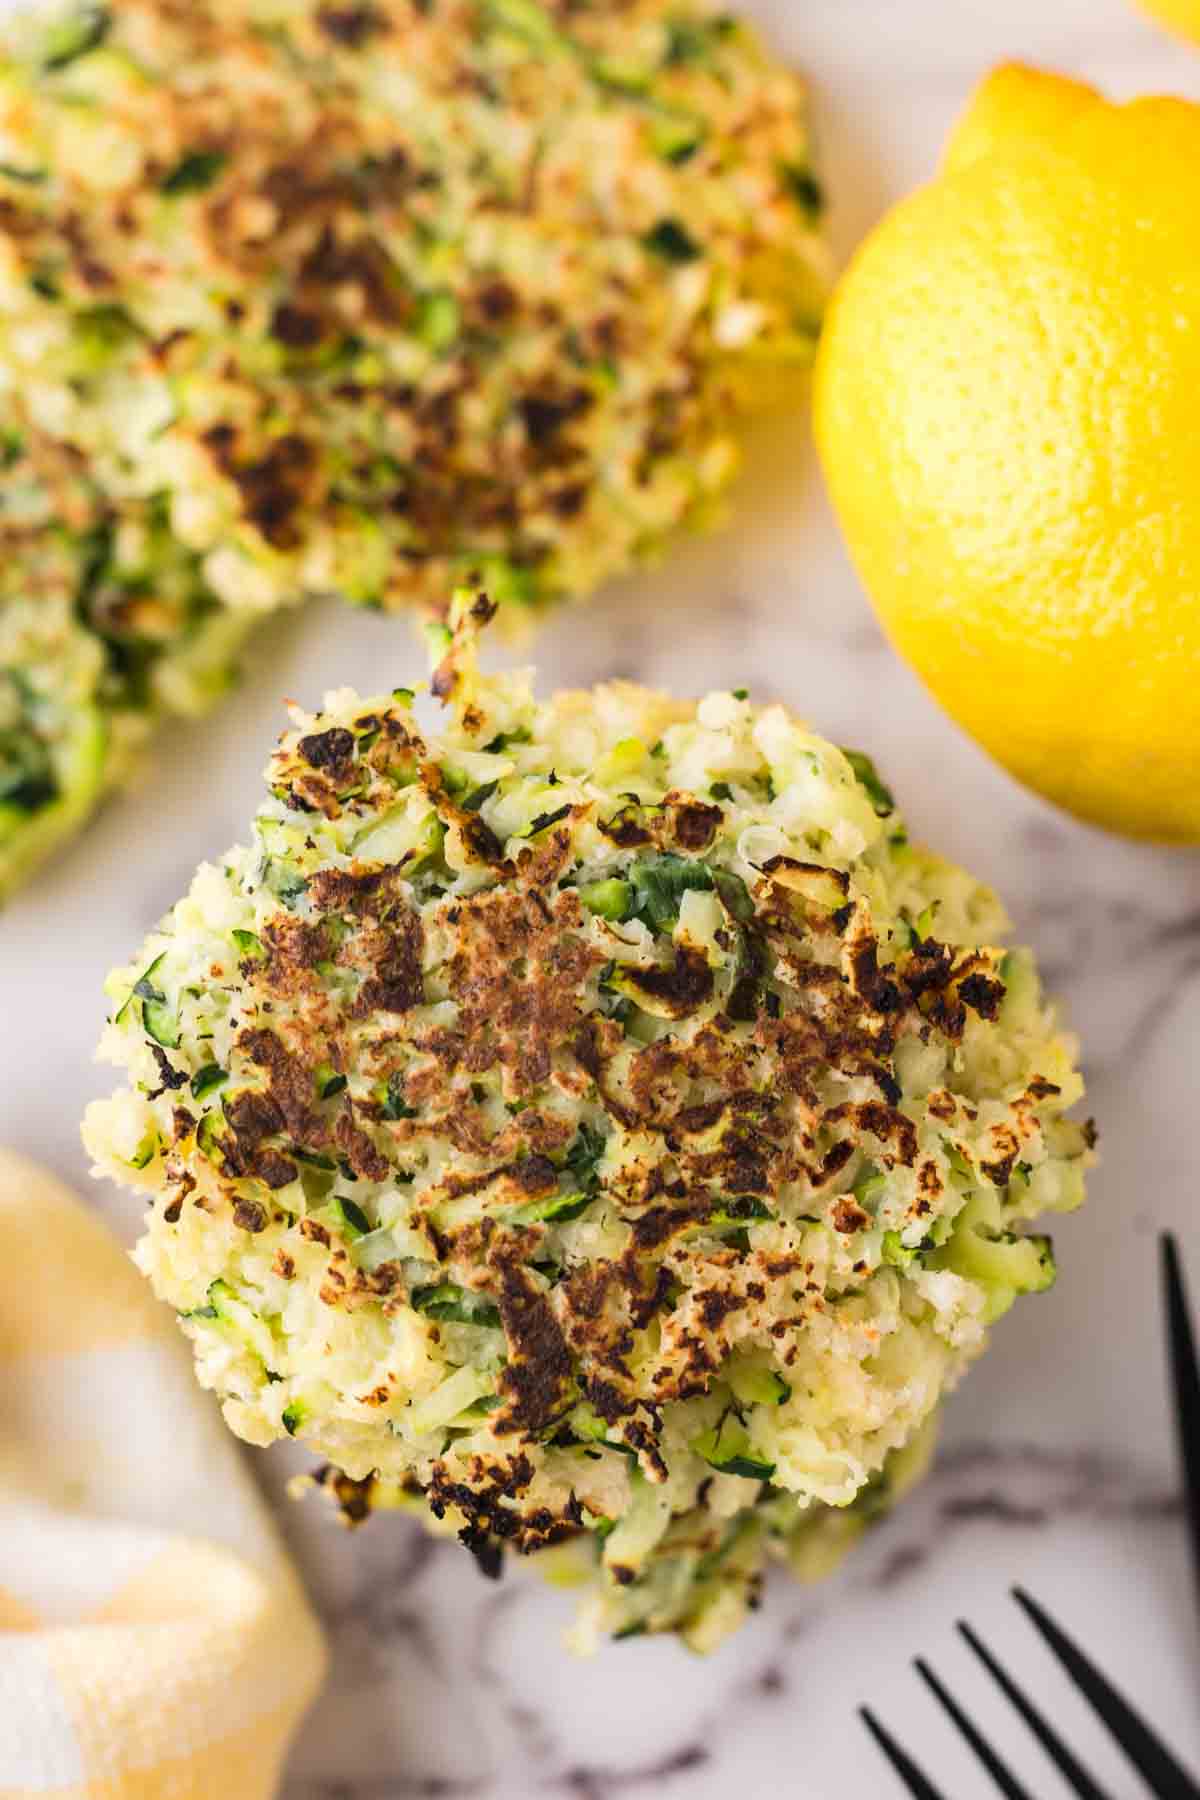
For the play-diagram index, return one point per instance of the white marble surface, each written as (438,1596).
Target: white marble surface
(1058,1467)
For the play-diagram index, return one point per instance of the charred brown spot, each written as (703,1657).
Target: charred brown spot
(929,1181)
(544,414)
(835,1160)
(349,25)
(999,1168)
(848,1216)
(693,823)
(488,1496)
(362,264)
(568,502)
(390,955)
(884,1122)
(716,1304)
(983,994)
(777,865)
(358,1148)
(290,1084)
(536,1379)
(298,327)
(352,1498)
(701,1116)
(683,987)
(332,750)
(274,486)
(294,949)
(444,680)
(605,1398)
(661,1223)
(248,1215)
(92,272)
(535,1175)
(273,1168)
(252,1117)
(627,828)
(517,971)
(481,840)
(495,302)
(171,1077)
(880,991)
(360,891)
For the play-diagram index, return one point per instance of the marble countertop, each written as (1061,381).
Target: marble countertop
(1057,1468)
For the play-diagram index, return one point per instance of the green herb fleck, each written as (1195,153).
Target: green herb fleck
(313,1159)
(659,884)
(145,1151)
(544,820)
(583,1157)
(390,1095)
(803,187)
(475,799)
(207,1080)
(867,777)
(330,1082)
(608,899)
(438,320)
(895,1251)
(446,1300)
(672,241)
(208,1141)
(728,1449)
(735,895)
(502,739)
(354,1220)
(82,30)
(195,172)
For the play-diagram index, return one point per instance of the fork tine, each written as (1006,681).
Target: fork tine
(917,1784)
(1073,1771)
(1003,1777)
(1145,1751)
(1185,1377)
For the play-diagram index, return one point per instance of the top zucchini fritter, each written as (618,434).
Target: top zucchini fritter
(307,298)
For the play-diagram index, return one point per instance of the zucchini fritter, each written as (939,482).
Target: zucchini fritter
(304,299)
(594,1123)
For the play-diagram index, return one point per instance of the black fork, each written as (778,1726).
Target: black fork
(1163,1774)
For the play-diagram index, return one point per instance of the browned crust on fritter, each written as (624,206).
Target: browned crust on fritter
(733,1109)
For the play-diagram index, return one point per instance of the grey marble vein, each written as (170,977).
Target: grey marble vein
(1021,1499)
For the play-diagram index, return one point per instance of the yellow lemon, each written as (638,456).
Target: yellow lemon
(1008,411)
(1181,15)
